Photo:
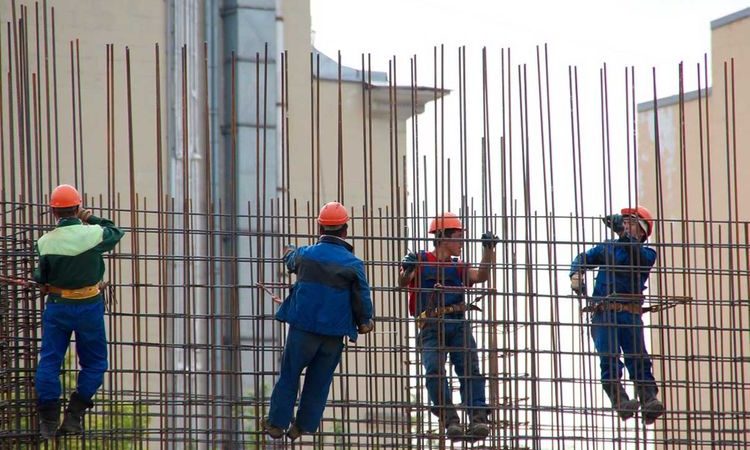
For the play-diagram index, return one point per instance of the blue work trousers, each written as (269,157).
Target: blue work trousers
(320,355)
(452,337)
(614,332)
(59,321)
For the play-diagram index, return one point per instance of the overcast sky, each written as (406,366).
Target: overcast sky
(643,33)
(586,34)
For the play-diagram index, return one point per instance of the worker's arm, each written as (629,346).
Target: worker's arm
(590,259)
(111,235)
(290,258)
(482,273)
(587,260)
(362,302)
(39,274)
(408,269)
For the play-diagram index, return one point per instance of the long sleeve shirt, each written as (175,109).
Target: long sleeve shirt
(624,265)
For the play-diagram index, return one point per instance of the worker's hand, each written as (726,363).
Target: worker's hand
(489,240)
(578,282)
(84,215)
(289,248)
(409,262)
(366,327)
(614,222)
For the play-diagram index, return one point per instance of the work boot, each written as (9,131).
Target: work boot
(271,430)
(73,420)
(625,407)
(294,432)
(452,425)
(651,407)
(479,427)
(49,418)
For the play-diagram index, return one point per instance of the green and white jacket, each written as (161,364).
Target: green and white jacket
(70,256)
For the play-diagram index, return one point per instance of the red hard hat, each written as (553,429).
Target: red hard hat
(642,213)
(445,221)
(65,196)
(332,214)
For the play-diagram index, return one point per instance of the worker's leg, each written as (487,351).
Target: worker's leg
(639,365)
(605,335)
(318,379)
(465,358)
(433,360)
(300,349)
(57,326)
(91,346)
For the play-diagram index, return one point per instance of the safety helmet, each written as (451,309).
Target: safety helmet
(65,196)
(645,219)
(445,221)
(333,214)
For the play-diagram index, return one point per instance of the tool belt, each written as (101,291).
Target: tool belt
(630,307)
(434,313)
(81,293)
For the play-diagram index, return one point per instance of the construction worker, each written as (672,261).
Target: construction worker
(329,301)
(437,281)
(70,269)
(616,307)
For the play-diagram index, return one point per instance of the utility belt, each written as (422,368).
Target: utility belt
(434,313)
(629,307)
(81,293)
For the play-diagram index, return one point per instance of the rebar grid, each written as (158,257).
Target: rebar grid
(193,344)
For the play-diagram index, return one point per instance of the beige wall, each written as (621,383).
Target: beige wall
(699,376)
(94,24)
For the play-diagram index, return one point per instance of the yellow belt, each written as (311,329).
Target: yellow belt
(81,293)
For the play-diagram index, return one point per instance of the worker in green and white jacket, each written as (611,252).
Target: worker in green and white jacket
(70,269)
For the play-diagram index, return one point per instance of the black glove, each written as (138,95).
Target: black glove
(489,240)
(614,221)
(409,262)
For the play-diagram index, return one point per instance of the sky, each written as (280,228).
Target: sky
(585,33)
(649,35)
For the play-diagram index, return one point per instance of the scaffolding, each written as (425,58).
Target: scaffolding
(194,347)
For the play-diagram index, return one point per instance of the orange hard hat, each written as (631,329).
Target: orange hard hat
(644,216)
(445,221)
(65,196)
(332,214)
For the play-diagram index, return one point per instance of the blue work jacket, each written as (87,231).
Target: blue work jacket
(624,265)
(331,295)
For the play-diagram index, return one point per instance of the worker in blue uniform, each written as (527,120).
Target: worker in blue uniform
(329,301)
(616,306)
(437,283)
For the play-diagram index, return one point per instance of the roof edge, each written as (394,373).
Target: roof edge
(734,17)
(672,100)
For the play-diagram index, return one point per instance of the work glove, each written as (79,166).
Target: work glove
(288,248)
(409,262)
(84,215)
(578,282)
(366,327)
(614,222)
(489,240)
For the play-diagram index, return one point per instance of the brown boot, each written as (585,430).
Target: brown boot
(451,424)
(651,407)
(271,430)
(479,428)
(625,407)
